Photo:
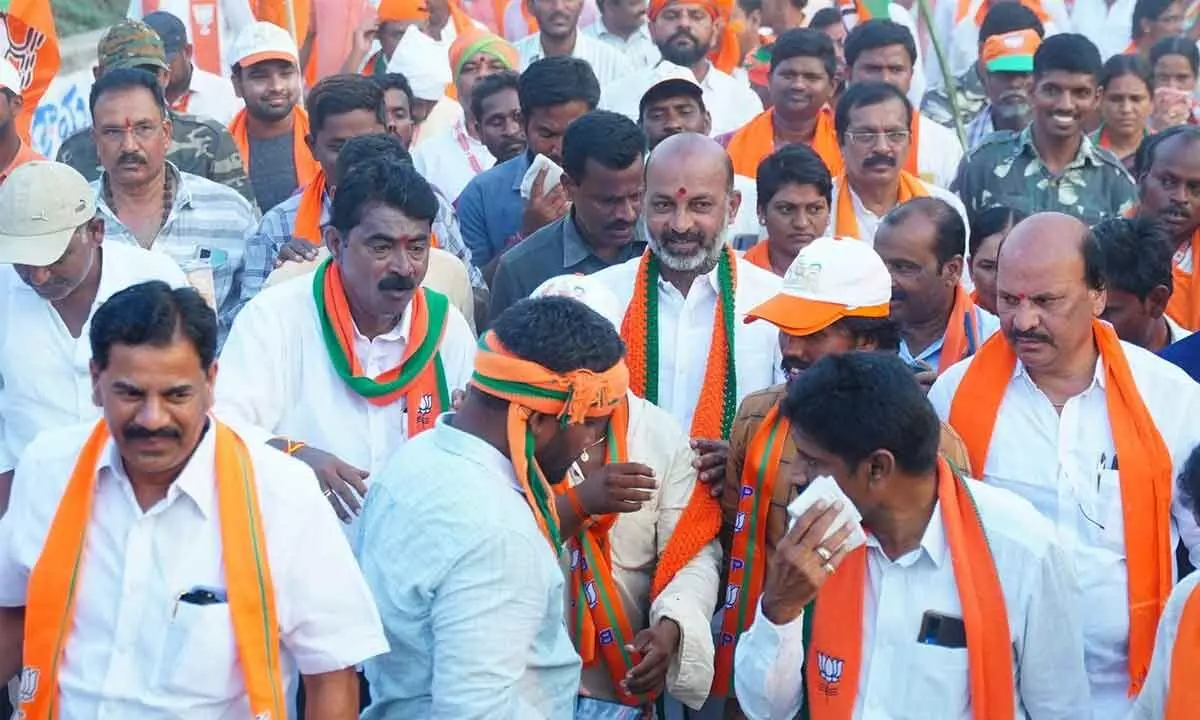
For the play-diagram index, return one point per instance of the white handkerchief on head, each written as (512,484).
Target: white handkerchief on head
(553,176)
(826,488)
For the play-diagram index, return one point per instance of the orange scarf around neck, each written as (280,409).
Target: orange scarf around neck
(1184,305)
(306,167)
(1183,692)
(838,617)
(53,582)
(308,215)
(962,331)
(845,222)
(756,140)
(759,256)
(1145,473)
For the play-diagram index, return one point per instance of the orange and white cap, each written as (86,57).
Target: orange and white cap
(1010,51)
(830,279)
(10,77)
(262,41)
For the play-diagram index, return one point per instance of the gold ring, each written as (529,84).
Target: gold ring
(828,568)
(823,554)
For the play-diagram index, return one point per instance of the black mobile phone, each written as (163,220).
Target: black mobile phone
(942,630)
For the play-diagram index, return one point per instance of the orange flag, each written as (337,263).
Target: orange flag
(32,45)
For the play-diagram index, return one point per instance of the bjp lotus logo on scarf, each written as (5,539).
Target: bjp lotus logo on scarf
(606,636)
(830,669)
(589,591)
(425,409)
(732,592)
(739,522)
(576,557)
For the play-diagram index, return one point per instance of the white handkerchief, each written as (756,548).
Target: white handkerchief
(553,176)
(826,488)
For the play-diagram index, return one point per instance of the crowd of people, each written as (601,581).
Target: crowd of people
(549,359)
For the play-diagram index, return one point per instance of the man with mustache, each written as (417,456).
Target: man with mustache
(1092,430)
(834,299)
(147,202)
(922,242)
(1168,172)
(271,128)
(1051,165)
(496,113)
(674,104)
(874,123)
(50,235)
(164,565)
(1137,262)
(559,34)
(602,175)
(685,31)
(341,367)
(988,100)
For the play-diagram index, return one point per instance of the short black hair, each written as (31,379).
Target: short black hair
(1008,17)
(989,221)
(1176,45)
(127,79)
(1067,52)
(365,147)
(609,138)
(489,85)
(1147,152)
(395,81)
(1189,482)
(341,94)
(853,404)
(825,17)
(383,180)
(559,333)
(804,42)
(951,239)
(884,331)
(867,94)
(875,34)
(1119,66)
(1147,10)
(749,6)
(1095,272)
(151,313)
(1137,254)
(556,81)
(798,164)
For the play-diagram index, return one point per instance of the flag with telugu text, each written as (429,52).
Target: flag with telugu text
(30,42)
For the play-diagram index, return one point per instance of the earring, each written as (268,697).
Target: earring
(584,457)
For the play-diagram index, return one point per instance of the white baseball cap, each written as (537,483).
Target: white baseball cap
(830,279)
(668,74)
(41,205)
(262,41)
(423,62)
(10,77)
(587,290)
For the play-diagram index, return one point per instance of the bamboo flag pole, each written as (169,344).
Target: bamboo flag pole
(289,8)
(947,76)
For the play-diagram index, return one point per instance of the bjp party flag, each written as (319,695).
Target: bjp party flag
(30,42)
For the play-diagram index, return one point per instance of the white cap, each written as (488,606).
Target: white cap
(423,62)
(669,73)
(587,290)
(263,41)
(830,279)
(41,205)
(10,77)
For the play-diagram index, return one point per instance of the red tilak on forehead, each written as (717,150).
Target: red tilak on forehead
(128,124)
(681,192)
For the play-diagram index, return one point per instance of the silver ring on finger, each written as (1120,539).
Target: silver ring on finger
(824,554)
(829,568)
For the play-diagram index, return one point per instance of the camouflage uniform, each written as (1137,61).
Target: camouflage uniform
(199,146)
(1005,170)
(969,94)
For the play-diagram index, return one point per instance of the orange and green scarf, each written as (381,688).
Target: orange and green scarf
(528,387)
(1145,473)
(833,623)
(747,561)
(420,377)
(715,408)
(54,580)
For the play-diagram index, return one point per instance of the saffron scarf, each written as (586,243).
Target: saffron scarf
(747,562)
(1145,473)
(962,332)
(306,167)
(846,223)
(759,256)
(1184,305)
(598,615)
(308,216)
(756,140)
(715,408)
(528,387)
(1183,692)
(837,618)
(54,580)
(420,377)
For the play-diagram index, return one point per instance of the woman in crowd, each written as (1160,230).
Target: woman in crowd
(1127,87)
(1175,63)
(988,229)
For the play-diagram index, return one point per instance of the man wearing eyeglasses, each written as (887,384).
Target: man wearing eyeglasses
(873,121)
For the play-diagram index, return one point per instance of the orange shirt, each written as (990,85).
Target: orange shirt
(24,154)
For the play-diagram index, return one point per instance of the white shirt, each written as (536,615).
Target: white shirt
(609,64)
(234,16)
(639,47)
(938,152)
(1151,703)
(1053,461)
(685,327)
(449,159)
(903,679)
(868,222)
(1108,27)
(730,102)
(212,96)
(135,652)
(44,376)
(1176,332)
(962,38)
(746,221)
(276,376)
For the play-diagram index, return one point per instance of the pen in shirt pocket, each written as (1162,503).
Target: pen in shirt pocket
(199,596)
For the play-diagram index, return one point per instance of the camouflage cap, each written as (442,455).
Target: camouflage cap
(130,44)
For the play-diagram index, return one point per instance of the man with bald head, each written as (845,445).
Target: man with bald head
(1089,429)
